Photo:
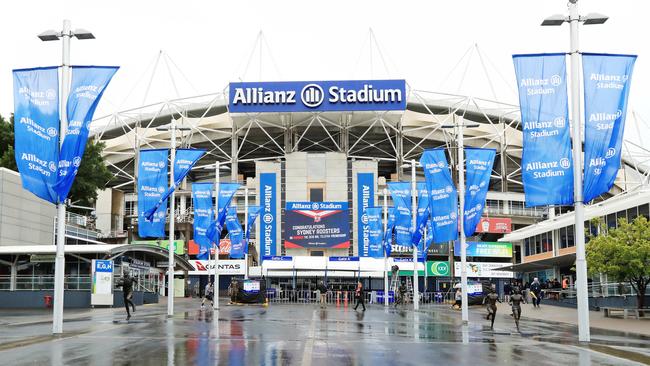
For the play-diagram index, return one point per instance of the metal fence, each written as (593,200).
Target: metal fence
(345,298)
(34,283)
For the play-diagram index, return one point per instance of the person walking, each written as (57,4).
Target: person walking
(323,294)
(208,295)
(536,292)
(507,289)
(127,283)
(359,297)
(459,299)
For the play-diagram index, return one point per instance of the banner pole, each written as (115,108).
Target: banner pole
(385,256)
(246,220)
(215,272)
(414,211)
(172,218)
(59,263)
(581,263)
(461,216)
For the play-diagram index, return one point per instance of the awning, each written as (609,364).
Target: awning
(540,265)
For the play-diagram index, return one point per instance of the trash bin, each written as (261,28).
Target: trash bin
(48,301)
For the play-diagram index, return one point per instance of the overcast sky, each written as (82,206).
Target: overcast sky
(209,43)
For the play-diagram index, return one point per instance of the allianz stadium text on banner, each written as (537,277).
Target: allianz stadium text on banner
(307,96)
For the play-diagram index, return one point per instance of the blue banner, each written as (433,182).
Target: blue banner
(478,167)
(87,87)
(443,198)
(253,212)
(226,193)
(152,183)
(365,199)
(268,228)
(422,216)
(607,81)
(401,194)
(317,96)
(235,233)
(375,232)
(388,234)
(183,163)
(546,162)
(36,129)
(203,214)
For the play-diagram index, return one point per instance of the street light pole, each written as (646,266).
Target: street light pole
(215,272)
(579,224)
(385,256)
(461,215)
(414,210)
(172,218)
(59,262)
(246,221)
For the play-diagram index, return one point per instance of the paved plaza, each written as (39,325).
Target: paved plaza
(305,335)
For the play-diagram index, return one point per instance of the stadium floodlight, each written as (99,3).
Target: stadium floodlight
(553,20)
(594,18)
(49,35)
(81,33)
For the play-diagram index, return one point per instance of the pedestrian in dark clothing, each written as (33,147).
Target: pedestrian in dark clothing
(323,294)
(536,290)
(507,288)
(358,296)
(127,283)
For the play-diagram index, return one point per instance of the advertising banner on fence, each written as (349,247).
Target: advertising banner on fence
(268,221)
(401,194)
(36,129)
(152,183)
(316,225)
(607,80)
(203,214)
(88,85)
(320,96)
(485,249)
(365,199)
(478,167)
(483,270)
(443,198)
(546,163)
(375,232)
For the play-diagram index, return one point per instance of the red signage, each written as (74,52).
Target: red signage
(494,225)
(224,247)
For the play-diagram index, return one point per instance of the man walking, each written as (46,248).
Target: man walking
(127,283)
(359,296)
(209,291)
(536,291)
(323,294)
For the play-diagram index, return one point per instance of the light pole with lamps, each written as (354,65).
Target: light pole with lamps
(461,213)
(59,264)
(579,237)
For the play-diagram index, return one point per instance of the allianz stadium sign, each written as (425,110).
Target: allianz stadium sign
(317,96)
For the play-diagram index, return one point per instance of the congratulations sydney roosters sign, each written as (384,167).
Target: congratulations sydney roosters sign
(317,225)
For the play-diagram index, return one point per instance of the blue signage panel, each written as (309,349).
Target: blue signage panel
(152,183)
(277,258)
(365,199)
(316,225)
(317,96)
(375,232)
(546,159)
(268,223)
(343,259)
(607,81)
(103,265)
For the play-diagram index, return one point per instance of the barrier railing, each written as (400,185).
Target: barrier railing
(346,298)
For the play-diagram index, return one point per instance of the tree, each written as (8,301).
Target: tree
(93,173)
(623,253)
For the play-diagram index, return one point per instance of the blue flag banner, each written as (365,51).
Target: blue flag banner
(546,162)
(401,193)
(183,163)
(422,215)
(365,199)
(375,231)
(36,129)
(478,167)
(235,233)
(152,182)
(253,212)
(225,195)
(86,90)
(388,234)
(607,81)
(203,214)
(443,198)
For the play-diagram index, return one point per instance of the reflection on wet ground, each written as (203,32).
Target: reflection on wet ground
(308,335)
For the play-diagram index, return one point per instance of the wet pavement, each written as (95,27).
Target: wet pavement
(303,335)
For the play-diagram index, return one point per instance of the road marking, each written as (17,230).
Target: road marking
(309,345)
